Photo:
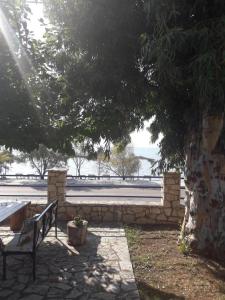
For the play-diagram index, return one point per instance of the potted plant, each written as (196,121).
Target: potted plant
(77,231)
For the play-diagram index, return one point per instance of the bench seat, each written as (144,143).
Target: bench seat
(11,244)
(40,226)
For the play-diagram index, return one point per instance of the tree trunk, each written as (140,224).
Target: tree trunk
(203,228)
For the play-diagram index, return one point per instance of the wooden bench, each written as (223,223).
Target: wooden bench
(28,242)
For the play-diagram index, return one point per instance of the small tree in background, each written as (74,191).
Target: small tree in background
(122,162)
(79,157)
(5,158)
(43,159)
(101,161)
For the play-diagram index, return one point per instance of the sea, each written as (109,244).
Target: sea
(90,167)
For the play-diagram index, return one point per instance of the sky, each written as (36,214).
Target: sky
(139,138)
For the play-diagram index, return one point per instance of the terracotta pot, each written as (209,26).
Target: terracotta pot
(76,235)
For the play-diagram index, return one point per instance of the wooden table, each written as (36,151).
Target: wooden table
(16,211)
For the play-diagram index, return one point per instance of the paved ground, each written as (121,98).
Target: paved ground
(101,269)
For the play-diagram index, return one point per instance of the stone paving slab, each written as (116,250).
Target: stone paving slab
(99,270)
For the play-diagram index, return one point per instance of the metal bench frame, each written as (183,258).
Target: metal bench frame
(41,226)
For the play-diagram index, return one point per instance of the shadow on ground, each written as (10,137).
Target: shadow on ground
(148,292)
(88,272)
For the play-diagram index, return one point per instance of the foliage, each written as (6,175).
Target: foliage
(95,50)
(133,236)
(183,247)
(184,54)
(122,62)
(30,106)
(43,159)
(106,67)
(5,158)
(19,125)
(122,162)
(78,221)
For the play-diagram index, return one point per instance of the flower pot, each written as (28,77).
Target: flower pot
(76,234)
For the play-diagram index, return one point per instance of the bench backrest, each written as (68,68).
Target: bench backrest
(44,222)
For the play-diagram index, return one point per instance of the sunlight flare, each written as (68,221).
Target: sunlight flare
(19,55)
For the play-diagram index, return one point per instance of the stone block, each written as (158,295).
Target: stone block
(173,220)
(62,209)
(143,220)
(175,212)
(168,211)
(51,188)
(96,209)
(139,209)
(181,212)
(167,204)
(155,210)
(161,217)
(96,217)
(61,190)
(140,214)
(86,209)
(176,204)
(128,219)
(52,180)
(108,217)
(129,210)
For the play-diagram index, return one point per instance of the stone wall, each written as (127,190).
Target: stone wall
(168,211)
(128,214)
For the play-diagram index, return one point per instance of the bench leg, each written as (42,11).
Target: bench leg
(34,266)
(56,230)
(16,220)
(4,267)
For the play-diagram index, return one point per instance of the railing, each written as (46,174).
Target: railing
(89,176)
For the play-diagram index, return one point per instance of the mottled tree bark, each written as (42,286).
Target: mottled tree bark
(203,228)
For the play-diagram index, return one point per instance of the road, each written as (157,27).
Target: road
(83,192)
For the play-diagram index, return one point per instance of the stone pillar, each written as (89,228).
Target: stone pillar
(171,190)
(56,185)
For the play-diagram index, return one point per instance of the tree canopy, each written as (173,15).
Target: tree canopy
(124,62)
(98,57)
(105,67)
(184,54)
(30,109)
(18,118)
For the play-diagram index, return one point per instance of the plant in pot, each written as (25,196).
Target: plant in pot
(77,231)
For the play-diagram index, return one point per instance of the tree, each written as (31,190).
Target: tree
(122,162)
(18,117)
(184,49)
(80,156)
(5,158)
(101,160)
(125,61)
(43,159)
(30,107)
(97,58)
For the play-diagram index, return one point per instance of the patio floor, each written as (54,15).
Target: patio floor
(101,269)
